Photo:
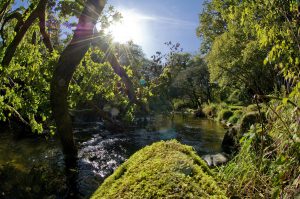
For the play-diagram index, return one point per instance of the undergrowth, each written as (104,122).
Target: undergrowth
(267,165)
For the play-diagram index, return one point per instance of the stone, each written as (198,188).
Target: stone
(215,159)
(166,169)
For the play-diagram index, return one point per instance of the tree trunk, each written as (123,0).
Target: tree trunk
(68,61)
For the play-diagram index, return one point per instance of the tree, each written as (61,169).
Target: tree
(193,81)
(79,45)
(21,28)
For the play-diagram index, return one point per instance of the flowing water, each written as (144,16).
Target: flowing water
(101,151)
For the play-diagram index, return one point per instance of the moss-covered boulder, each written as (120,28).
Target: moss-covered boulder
(162,170)
(249,119)
(224,114)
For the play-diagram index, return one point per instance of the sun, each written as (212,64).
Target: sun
(128,29)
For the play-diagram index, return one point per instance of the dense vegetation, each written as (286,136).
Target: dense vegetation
(247,74)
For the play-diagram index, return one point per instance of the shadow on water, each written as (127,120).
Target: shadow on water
(100,153)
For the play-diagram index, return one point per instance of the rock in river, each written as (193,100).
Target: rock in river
(166,169)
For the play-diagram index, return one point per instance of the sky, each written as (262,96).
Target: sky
(164,20)
(159,21)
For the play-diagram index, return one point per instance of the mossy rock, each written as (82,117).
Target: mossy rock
(250,119)
(235,117)
(210,110)
(162,170)
(224,114)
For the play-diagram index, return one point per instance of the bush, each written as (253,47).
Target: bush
(162,170)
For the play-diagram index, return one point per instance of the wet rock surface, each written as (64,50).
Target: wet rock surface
(215,159)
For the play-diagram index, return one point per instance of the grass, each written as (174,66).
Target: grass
(244,177)
(162,170)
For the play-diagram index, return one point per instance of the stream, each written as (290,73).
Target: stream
(100,152)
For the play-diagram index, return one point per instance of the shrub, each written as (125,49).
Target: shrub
(251,107)
(180,104)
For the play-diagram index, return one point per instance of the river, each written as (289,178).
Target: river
(100,152)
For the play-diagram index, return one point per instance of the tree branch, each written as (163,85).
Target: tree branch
(119,70)
(17,114)
(3,10)
(11,49)
(14,15)
(42,24)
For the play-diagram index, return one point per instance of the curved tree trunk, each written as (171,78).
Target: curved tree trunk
(68,61)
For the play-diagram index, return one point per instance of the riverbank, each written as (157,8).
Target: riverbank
(264,142)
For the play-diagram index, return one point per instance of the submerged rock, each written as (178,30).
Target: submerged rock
(162,170)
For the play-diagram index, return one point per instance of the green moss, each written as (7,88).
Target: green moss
(236,107)
(235,117)
(162,170)
(210,110)
(248,120)
(224,114)
(252,107)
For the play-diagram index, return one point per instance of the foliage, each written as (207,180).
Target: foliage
(182,76)
(25,85)
(243,176)
(257,52)
(164,169)
(25,82)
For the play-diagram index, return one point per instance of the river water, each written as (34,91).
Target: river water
(101,151)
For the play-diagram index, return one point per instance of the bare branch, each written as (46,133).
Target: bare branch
(42,24)
(14,15)
(3,10)
(17,114)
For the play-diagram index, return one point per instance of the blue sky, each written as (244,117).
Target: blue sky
(172,20)
(165,20)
